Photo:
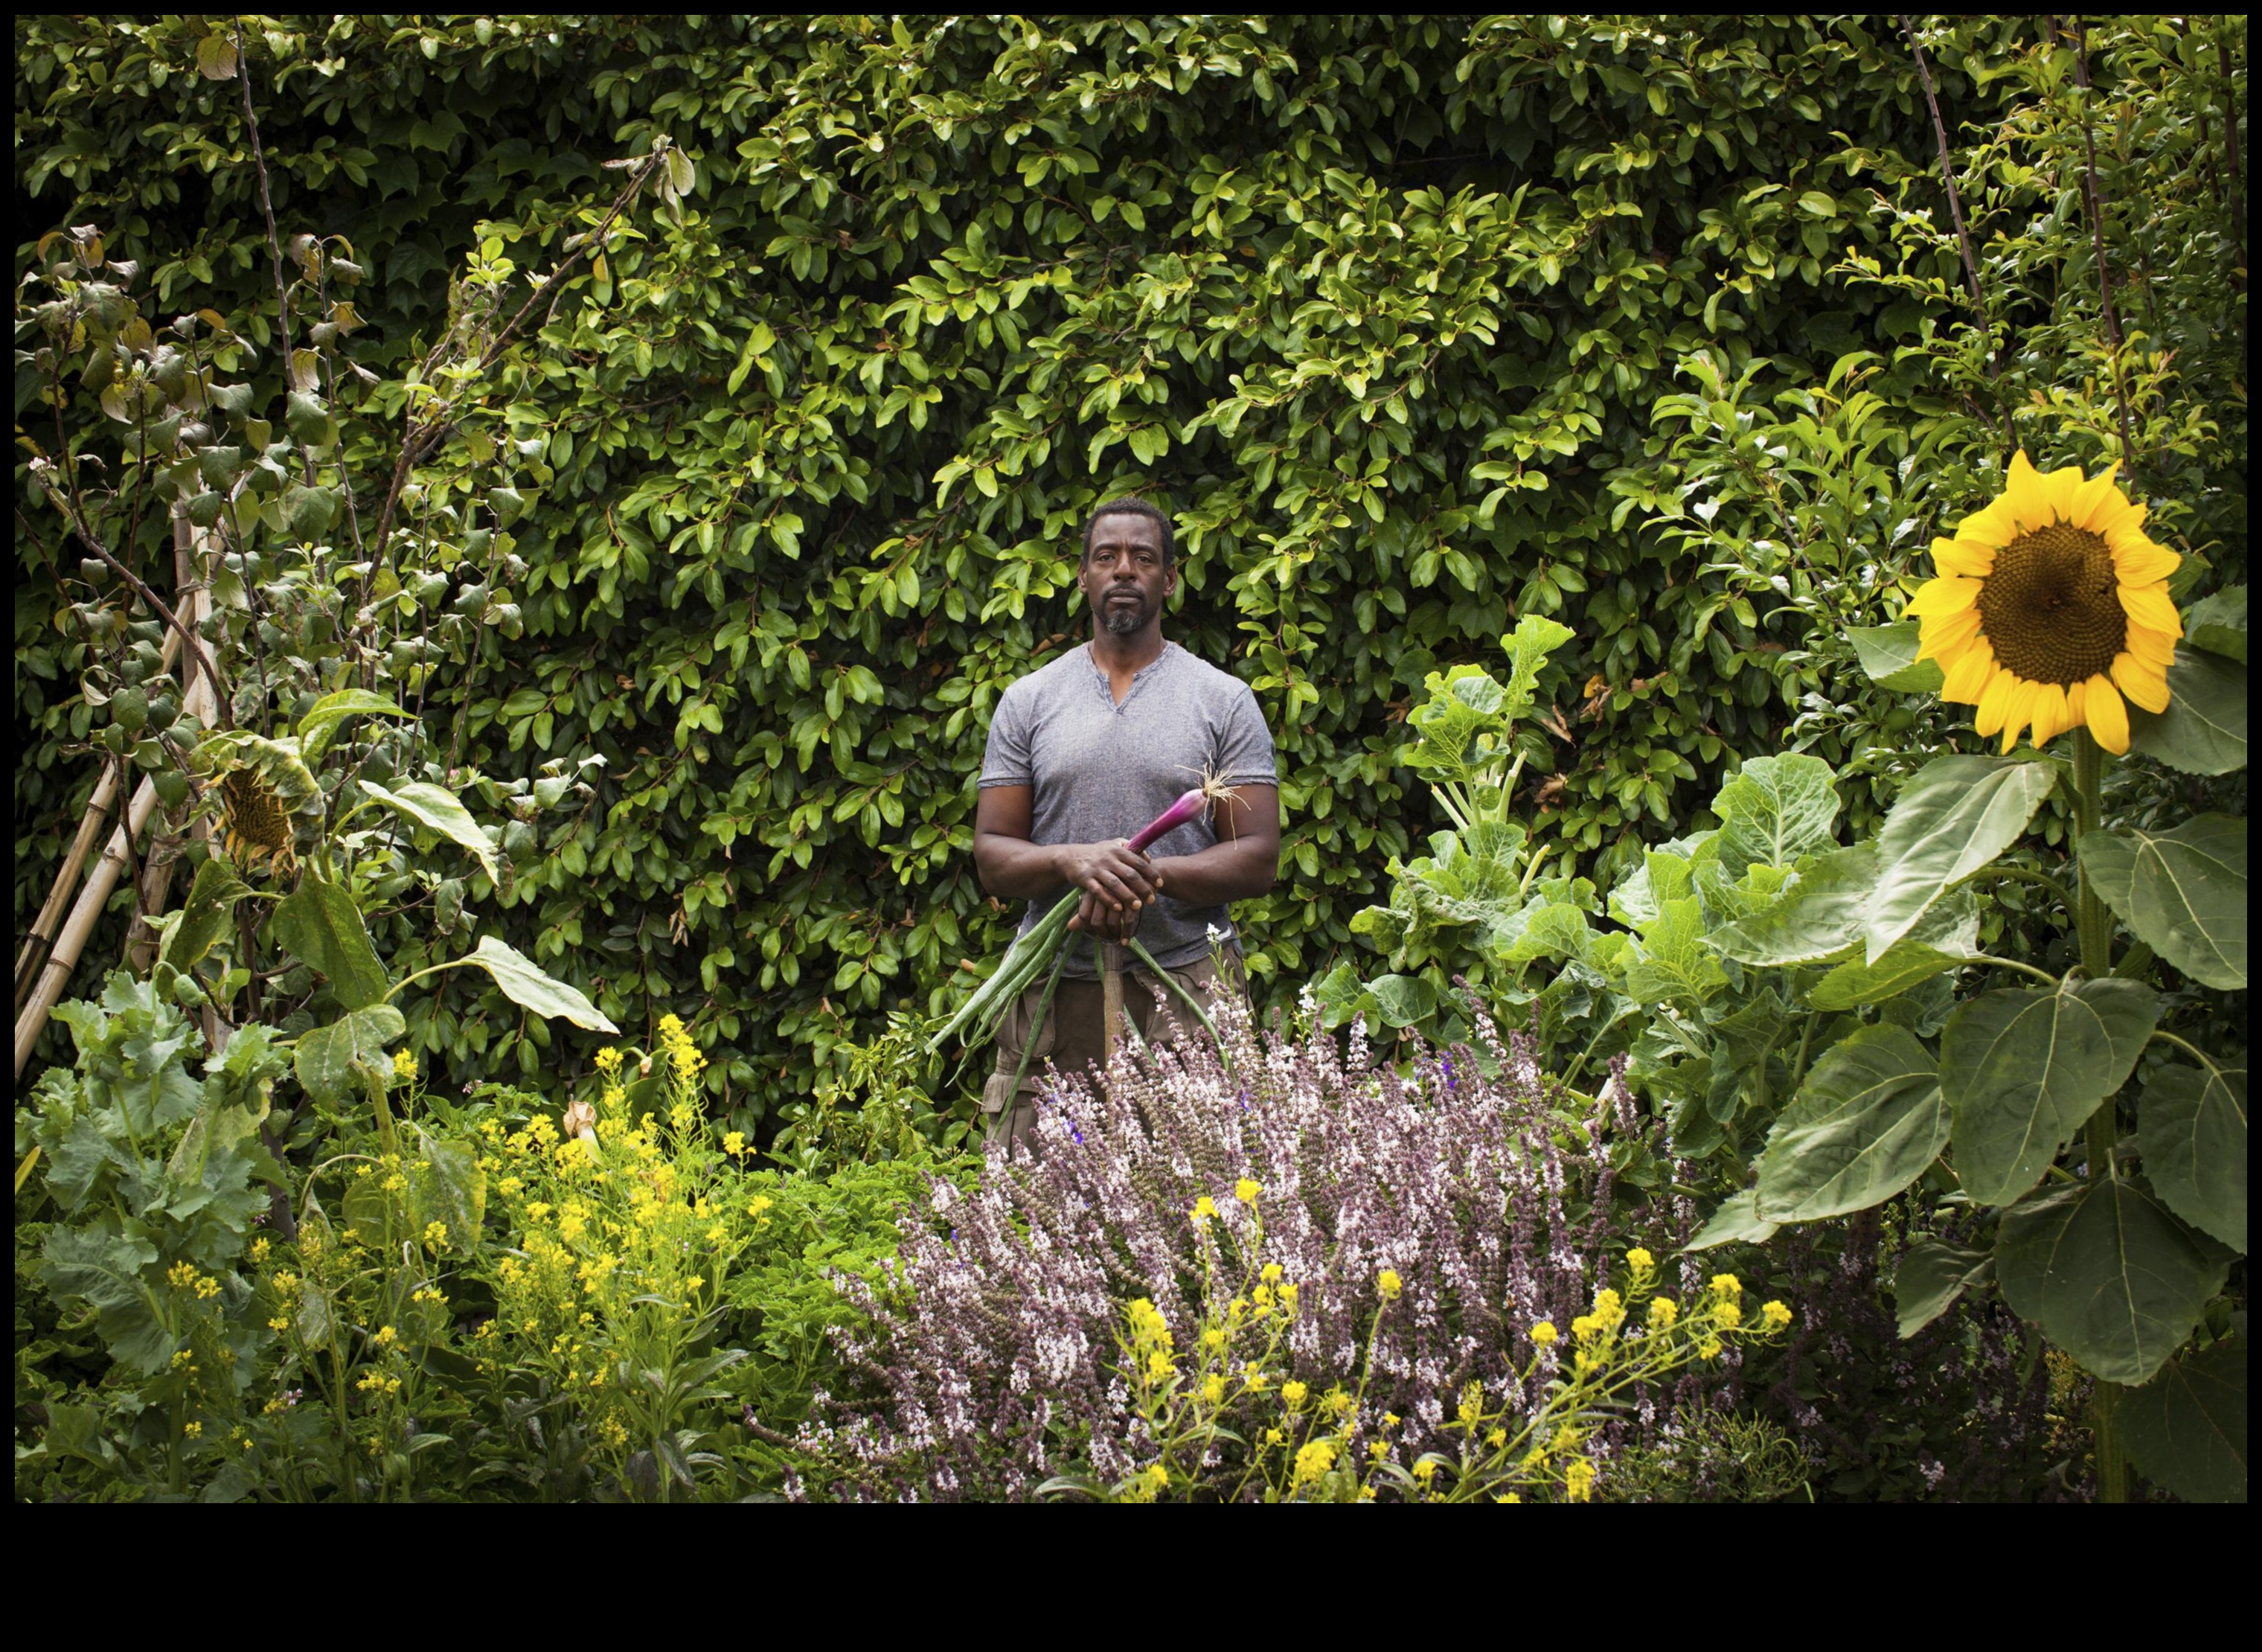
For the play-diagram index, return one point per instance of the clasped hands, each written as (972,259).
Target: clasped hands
(1119,883)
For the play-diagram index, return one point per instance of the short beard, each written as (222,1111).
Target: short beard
(1121,619)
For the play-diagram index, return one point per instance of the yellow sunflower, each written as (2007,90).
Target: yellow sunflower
(2049,605)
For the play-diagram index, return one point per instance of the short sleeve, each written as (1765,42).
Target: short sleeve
(1005,759)
(1244,754)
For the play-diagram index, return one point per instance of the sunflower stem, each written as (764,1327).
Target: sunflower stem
(2096,934)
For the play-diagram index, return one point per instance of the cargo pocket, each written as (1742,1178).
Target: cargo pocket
(1012,1039)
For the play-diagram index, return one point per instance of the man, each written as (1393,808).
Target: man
(1084,752)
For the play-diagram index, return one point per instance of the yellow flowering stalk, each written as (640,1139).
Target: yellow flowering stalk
(2049,606)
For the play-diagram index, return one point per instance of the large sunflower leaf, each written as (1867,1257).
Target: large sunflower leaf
(2108,1273)
(1735,1223)
(1931,1277)
(2192,1127)
(2183,892)
(1865,1125)
(2186,1428)
(2203,730)
(319,923)
(525,982)
(2023,1070)
(331,1061)
(1955,817)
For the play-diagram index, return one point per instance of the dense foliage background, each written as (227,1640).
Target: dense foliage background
(1418,326)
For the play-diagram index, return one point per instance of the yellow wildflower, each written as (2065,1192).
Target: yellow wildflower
(1774,1315)
(1204,1210)
(1663,1313)
(1640,1261)
(1579,1480)
(1727,1287)
(1246,1191)
(1544,1332)
(1292,1394)
(1313,1460)
(1390,1284)
(404,1066)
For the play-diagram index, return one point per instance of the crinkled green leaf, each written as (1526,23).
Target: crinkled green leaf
(1955,817)
(2182,891)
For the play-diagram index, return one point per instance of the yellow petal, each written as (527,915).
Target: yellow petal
(2154,648)
(1947,596)
(2077,700)
(2019,710)
(1993,701)
(1991,527)
(2058,488)
(2093,505)
(2138,561)
(2140,682)
(1939,634)
(2148,606)
(2108,717)
(2052,715)
(1963,556)
(1968,677)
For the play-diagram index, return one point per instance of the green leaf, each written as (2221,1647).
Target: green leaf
(309,511)
(439,809)
(319,923)
(2218,624)
(207,915)
(319,727)
(2183,892)
(453,1191)
(101,1265)
(1820,915)
(1406,999)
(2108,1273)
(1866,1124)
(1854,984)
(2186,1428)
(334,1062)
(216,57)
(2023,1070)
(1675,963)
(2192,1127)
(309,421)
(1737,1222)
(523,983)
(1888,653)
(1932,1276)
(1955,817)
(1776,811)
(2203,730)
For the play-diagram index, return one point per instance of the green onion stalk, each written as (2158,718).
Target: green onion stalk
(1044,948)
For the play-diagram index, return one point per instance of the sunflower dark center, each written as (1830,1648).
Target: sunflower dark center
(2049,609)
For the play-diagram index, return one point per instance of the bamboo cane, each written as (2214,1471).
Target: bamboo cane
(157,877)
(33,1020)
(89,828)
(1111,999)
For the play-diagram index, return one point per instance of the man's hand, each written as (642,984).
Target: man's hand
(1117,883)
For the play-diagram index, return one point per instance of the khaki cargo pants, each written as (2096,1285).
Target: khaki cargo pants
(1071,1036)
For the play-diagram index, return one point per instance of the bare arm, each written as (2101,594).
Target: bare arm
(1242,863)
(1013,868)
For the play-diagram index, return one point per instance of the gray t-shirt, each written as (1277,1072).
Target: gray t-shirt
(1098,771)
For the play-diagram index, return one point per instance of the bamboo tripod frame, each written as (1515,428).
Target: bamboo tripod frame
(190,550)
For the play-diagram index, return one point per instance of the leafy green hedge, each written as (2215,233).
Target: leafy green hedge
(1387,311)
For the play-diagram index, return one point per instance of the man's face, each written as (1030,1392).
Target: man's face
(1125,577)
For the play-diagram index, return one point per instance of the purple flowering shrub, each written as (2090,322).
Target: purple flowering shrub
(994,1357)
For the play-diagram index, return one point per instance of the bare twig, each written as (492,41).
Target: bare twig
(266,201)
(2097,237)
(423,434)
(2235,192)
(1956,213)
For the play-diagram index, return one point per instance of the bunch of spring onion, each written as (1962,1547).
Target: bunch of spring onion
(1046,947)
